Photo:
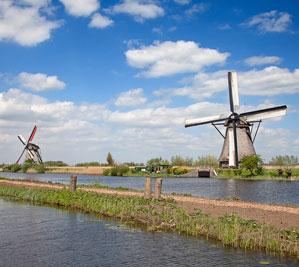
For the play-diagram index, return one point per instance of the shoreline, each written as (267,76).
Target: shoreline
(99,172)
(279,216)
(184,215)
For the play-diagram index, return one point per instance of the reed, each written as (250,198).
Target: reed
(164,215)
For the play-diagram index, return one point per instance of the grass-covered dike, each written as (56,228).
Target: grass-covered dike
(156,215)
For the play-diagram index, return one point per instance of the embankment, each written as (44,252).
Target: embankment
(246,228)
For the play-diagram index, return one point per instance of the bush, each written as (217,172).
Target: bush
(251,164)
(40,168)
(106,172)
(179,171)
(118,170)
(27,165)
(15,167)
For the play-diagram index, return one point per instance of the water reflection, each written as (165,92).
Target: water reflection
(41,236)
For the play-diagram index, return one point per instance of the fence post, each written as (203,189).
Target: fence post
(73,183)
(158,188)
(148,189)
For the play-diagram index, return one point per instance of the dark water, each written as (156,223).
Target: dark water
(273,192)
(42,236)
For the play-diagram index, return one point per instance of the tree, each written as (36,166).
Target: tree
(251,163)
(282,160)
(207,161)
(110,160)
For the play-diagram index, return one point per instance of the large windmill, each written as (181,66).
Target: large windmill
(238,137)
(32,150)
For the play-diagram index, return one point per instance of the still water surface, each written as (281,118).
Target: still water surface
(43,236)
(273,192)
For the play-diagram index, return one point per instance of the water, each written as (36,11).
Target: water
(272,192)
(42,236)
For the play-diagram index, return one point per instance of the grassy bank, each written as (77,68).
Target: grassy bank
(154,215)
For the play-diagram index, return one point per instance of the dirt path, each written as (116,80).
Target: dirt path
(279,216)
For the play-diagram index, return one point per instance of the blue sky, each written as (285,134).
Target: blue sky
(122,76)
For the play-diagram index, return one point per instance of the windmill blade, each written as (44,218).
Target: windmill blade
(32,134)
(205,120)
(233,91)
(22,139)
(21,156)
(231,148)
(262,114)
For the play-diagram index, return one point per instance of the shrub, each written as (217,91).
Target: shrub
(179,171)
(40,168)
(27,165)
(251,163)
(15,167)
(106,172)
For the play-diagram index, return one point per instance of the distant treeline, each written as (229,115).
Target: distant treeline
(57,163)
(283,160)
(177,160)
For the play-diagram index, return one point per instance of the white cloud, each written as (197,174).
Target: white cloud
(99,21)
(196,9)
(86,132)
(266,82)
(272,21)
(139,9)
(224,27)
(262,60)
(25,23)
(132,97)
(182,2)
(168,58)
(81,8)
(40,82)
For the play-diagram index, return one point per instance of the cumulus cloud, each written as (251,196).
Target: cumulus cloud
(100,21)
(132,97)
(40,82)
(269,81)
(25,23)
(196,9)
(262,60)
(168,58)
(88,131)
(272,21)
(139,9)
(182,2)
(80,8)
(82,132)
(265,82)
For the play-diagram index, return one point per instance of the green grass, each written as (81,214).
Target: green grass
(155,215)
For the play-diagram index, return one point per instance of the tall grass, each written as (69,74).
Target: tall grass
(231,230)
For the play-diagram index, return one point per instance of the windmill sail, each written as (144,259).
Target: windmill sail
(32,134)
(262,114)
(233,91)
(205,120)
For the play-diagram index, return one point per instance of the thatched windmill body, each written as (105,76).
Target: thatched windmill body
(238,137)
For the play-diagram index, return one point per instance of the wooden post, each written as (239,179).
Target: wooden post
(148,189)
(158,188)
(73,183)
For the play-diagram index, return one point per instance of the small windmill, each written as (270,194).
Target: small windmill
(238,141)
(32,150)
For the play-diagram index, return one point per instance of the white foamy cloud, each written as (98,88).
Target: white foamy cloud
(40,82)
(272,21)
(168,58)
(24,23)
